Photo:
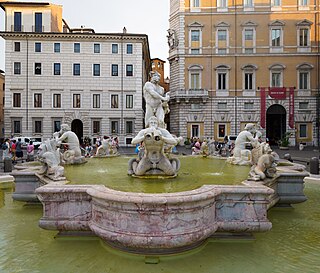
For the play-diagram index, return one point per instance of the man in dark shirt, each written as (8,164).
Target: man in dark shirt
(19,152)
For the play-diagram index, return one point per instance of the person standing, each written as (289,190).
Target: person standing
(30,151)
(13,150)
(6,149)
(19,152)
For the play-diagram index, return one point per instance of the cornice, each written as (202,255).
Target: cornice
(73,36)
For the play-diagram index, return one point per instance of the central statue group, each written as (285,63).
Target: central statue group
(155,138)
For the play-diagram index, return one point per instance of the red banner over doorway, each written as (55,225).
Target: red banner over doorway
(291,107)
(278,93)
(263,107)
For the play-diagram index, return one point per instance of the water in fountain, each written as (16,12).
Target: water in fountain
(291,246)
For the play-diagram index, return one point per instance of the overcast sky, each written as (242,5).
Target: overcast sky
(138,16)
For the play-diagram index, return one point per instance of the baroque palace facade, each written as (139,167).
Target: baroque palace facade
(55,74)
(238,61)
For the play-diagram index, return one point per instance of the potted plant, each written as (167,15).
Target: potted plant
(284,141)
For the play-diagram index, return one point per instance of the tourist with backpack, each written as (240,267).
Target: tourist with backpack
(6,149)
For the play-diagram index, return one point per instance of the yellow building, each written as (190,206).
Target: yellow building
(239,61)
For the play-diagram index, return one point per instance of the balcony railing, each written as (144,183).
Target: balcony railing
(18,28)
(189,94)
(37,29)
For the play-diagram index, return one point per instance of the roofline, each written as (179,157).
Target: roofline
(4,3)
(158,59)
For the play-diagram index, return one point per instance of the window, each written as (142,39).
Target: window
(129,70)
(303,3)
(38,126)
(56,47)
(17,22)
(222,81)
(248,80)
(76,69)
(96,70)
(17,68)
(195,130)
(303,105)
(56,69)
(96,101)
(37,47)
(37,102)
(195,35)
(302,130)
(195,80)
(37,68)
(276,3)
(114,48)
(222,4)
(248,105)
(96,126)
(195,72)
(16,100)
(129,101)
(129,127)
(276,79)
(114,126)
(248,3)
(96,48)
(303,37)
(276,37)
(196,3)
(114,70)
(222,106)
(56,100)
(248,50)
(195,39)
(17,46)
(129,49)
(248,34)
(17,126)
(56,125)
(76,47)
(221,130)
(222,35)
(303,80)
(195,51)
(114,101)
(38,22)
(76,100)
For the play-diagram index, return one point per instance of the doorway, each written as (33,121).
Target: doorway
(77,128)
(276,123)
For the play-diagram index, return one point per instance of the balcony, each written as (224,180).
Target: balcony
(17,28)
(190,94)
(37,28)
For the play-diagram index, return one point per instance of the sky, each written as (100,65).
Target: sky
(105,16)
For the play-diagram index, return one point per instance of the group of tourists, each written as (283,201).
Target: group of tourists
(12,149)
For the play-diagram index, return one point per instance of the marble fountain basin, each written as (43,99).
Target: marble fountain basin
(167,222)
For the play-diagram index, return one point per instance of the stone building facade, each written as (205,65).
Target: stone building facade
(240,61)
(2,87)
(55,74)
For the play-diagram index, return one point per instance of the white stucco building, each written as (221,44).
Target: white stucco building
(55,74)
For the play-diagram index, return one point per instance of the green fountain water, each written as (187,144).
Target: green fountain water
(291,246)
(194,173)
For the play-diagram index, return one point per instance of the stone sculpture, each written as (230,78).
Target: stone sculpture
(154,160)
(242,155)
(156,100)
(107,148)
(66,137)
(49,156)
(265,167)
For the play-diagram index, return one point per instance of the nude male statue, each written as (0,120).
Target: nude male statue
(156,100)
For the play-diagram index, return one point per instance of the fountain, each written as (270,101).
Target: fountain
(170,221)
